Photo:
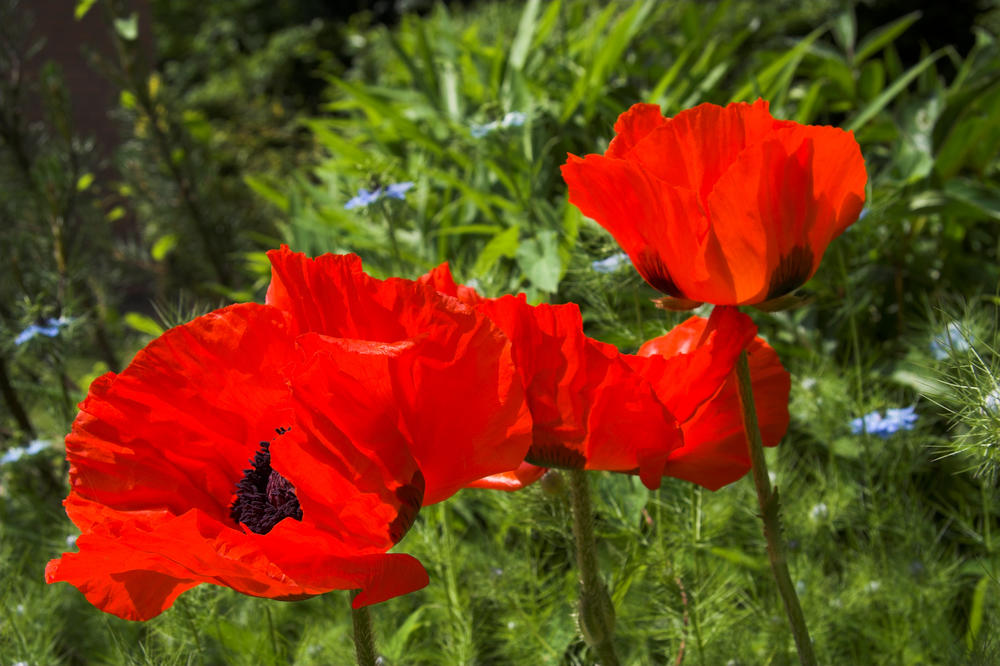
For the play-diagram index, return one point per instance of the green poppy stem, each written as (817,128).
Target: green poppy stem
(770,515)
(597,613)
(364,636)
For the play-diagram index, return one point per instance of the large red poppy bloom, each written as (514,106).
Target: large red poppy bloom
(724,205)
(671,410)
(328,391)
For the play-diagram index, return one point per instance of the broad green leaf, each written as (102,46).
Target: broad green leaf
(538,258)
(502,245)
(84,181)
(142,323)
(128,27)
(82,7)
(163,246)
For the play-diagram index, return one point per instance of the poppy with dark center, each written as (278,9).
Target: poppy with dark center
(283,453)
(670,410)
(725,205)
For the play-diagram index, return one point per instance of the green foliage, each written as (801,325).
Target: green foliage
(256,126)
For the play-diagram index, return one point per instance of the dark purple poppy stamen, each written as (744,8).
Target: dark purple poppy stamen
(263,497)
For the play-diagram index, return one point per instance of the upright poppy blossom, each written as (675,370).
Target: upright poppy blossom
(280,451)
(670,410)
(725,205)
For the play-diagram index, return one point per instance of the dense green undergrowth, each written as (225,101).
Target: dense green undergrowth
(266,139)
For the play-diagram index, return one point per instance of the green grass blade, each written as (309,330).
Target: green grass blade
(767,77)
(876,40)
(525,32)
(871,109)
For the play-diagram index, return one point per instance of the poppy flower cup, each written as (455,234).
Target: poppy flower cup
(281,452)
(715,453)
(670,410)
(724,205)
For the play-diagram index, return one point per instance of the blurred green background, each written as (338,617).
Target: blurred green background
(230,128)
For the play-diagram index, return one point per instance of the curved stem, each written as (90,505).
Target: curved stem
(364,636)
(597,614)
(770,515)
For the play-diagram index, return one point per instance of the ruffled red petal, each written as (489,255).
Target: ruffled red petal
(523,476)
(689,365)
(123,555)
(694,148)
(632,126)
(590,409)
(715,452)
(806,185)
(663,229)
(301,286)
(440,278)
(175,429)
(132,585)
(350,463)
(484,426)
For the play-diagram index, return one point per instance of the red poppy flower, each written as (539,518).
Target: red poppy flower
(595,408)
(725,205)
(715,451)
(343,447)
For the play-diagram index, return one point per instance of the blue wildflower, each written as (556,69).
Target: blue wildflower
(894,420)
(367,197)
(953,339)
(510,119)
(513,119)
(478,131)
(398,190)
(15,453)
(992,400)
(610,264)
(49,328)
(363,198)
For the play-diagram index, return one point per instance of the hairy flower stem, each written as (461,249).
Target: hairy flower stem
(770,515)
(364,636)
(597,614)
